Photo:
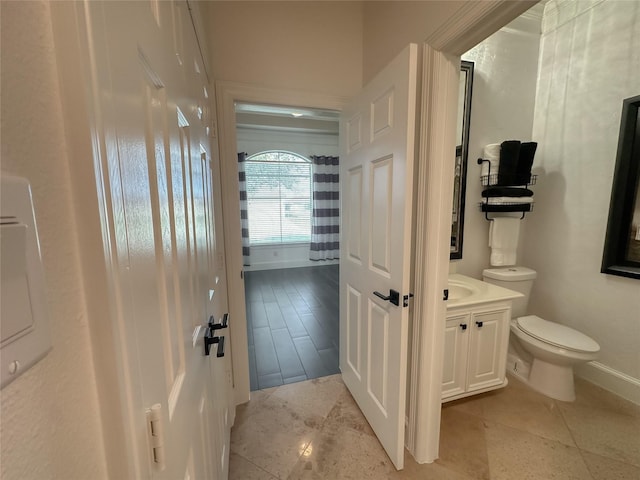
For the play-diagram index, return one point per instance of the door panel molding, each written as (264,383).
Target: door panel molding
(354,333)
(353,188)
(380,202)
(378,355)
(382,114)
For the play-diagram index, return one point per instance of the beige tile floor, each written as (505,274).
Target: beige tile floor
(314,430)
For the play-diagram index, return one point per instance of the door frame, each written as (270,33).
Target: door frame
(227,94)
(471,24)
(441,51)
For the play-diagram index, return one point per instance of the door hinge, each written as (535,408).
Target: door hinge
(155,432)
(405,299)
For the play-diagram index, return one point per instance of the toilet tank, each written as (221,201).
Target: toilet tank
(519,279)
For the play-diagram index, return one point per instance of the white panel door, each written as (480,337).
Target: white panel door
(153,146)
(377,157)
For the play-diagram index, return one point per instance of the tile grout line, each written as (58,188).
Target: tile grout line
(580,450)
(255,465)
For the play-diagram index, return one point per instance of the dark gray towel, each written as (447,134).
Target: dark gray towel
(525,162)
(509,156)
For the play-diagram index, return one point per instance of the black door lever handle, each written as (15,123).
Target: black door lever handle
(223,324)
(383,297)
(210,339)
(393,297)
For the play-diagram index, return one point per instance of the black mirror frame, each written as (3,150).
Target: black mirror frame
(626,183)
(463,150)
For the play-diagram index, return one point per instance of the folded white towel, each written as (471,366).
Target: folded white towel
(491,153)
(503,240)
(506,200)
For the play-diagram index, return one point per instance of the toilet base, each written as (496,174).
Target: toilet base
(555,381)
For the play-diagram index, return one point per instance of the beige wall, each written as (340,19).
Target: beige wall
(306,46)
(50,424)
(589,63)
(321,46)
(389,26)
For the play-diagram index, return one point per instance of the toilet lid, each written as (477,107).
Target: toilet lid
(556,334)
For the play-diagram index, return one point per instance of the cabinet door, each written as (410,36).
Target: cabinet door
(456,344)
(488,342)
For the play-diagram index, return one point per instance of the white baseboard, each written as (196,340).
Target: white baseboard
(612,380)
(294,264)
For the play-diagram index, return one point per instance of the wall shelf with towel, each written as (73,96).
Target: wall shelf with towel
(497,180)
(505,193)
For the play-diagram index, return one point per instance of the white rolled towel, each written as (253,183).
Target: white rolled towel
(506,200)
(504,233)
(492,153)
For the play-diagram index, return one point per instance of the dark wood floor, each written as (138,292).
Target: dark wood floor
(292,324)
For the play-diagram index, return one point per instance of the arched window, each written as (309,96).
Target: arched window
(278,198)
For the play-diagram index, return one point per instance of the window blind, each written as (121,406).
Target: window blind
(278,198)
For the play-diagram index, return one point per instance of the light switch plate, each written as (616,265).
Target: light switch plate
(24,323)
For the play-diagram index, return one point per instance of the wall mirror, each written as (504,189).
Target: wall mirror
(622,244)
(462,152)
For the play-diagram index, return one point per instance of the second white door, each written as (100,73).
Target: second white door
(376,173)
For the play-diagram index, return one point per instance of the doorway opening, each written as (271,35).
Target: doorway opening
(291,291)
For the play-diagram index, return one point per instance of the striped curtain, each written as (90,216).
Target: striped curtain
(325,220)
(244,213)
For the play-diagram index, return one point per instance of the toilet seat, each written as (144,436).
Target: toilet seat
(555,334)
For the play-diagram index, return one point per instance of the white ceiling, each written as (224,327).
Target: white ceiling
(288,119)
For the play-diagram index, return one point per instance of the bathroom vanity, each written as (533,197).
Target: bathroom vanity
(476,337)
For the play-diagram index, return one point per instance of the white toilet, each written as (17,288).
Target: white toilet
(554,348)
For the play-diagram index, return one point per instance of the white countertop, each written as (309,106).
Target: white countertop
(466,291)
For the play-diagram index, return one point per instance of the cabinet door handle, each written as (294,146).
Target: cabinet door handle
(463,326)
(479,324)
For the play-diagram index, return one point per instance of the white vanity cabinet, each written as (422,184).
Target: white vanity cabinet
(475,350)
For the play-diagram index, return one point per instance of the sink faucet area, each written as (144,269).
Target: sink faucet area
(465,291)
